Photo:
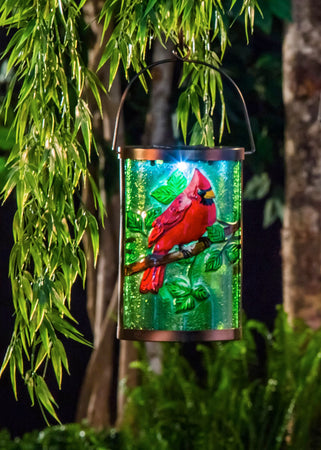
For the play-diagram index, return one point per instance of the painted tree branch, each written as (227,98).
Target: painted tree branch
(192,250)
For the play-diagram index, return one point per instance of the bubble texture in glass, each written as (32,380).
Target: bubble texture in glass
(202,292)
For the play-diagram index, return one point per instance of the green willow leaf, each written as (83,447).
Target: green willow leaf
(13,368)
(149,6)
(42,353)
(44,396)
(23,306)
(61,350)
(93,228)
(7,139)
(44,335)
(97,198)
(56,363)
(182,113)
(47,164)
(114,63)
(68,330)
(83,264)
(7,358)
(18,356)
(27,287)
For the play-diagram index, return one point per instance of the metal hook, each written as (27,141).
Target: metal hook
(191,61)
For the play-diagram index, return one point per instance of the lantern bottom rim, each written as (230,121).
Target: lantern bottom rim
(230,334)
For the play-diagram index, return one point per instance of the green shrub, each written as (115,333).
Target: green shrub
(63,437)
(260,393)
(248,400)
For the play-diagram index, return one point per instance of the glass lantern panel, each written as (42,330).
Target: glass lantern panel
(172,220)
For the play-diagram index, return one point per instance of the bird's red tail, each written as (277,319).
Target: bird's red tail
(152,280)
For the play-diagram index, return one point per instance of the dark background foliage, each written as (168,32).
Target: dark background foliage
(257,69)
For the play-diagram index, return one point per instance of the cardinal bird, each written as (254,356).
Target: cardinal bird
(184,221)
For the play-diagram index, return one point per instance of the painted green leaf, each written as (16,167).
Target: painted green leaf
(151,216)
(186,261)
(216,233)
(163,194)
(200,293)
(134,222)
(165,294)
(214,262)
(179,288)
(184,304)
(232,252)
(131,253)
(175,185)
(177,181)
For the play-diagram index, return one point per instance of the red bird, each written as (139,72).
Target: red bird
(184,221)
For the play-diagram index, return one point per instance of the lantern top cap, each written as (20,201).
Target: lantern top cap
(181,153)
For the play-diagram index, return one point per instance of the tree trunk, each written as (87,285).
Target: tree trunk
(98,398)
(301,240)
(158,129)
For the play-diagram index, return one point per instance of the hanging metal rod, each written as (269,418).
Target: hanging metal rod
(190,61)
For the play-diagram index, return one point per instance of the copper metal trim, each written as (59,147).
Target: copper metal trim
(182,153)
(179,336)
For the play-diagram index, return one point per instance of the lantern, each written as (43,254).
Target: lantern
(180,269)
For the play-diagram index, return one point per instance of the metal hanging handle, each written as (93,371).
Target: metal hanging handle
(191,61)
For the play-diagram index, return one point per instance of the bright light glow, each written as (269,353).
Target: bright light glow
(182,166)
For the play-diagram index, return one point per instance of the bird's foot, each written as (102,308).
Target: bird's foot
(154,258)
(206,241)
(186,252)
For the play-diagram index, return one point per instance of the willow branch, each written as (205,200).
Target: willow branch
(154,260)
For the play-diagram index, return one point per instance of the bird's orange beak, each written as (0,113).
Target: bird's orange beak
(209,194)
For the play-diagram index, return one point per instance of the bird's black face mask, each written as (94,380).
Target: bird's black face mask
(207,196)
